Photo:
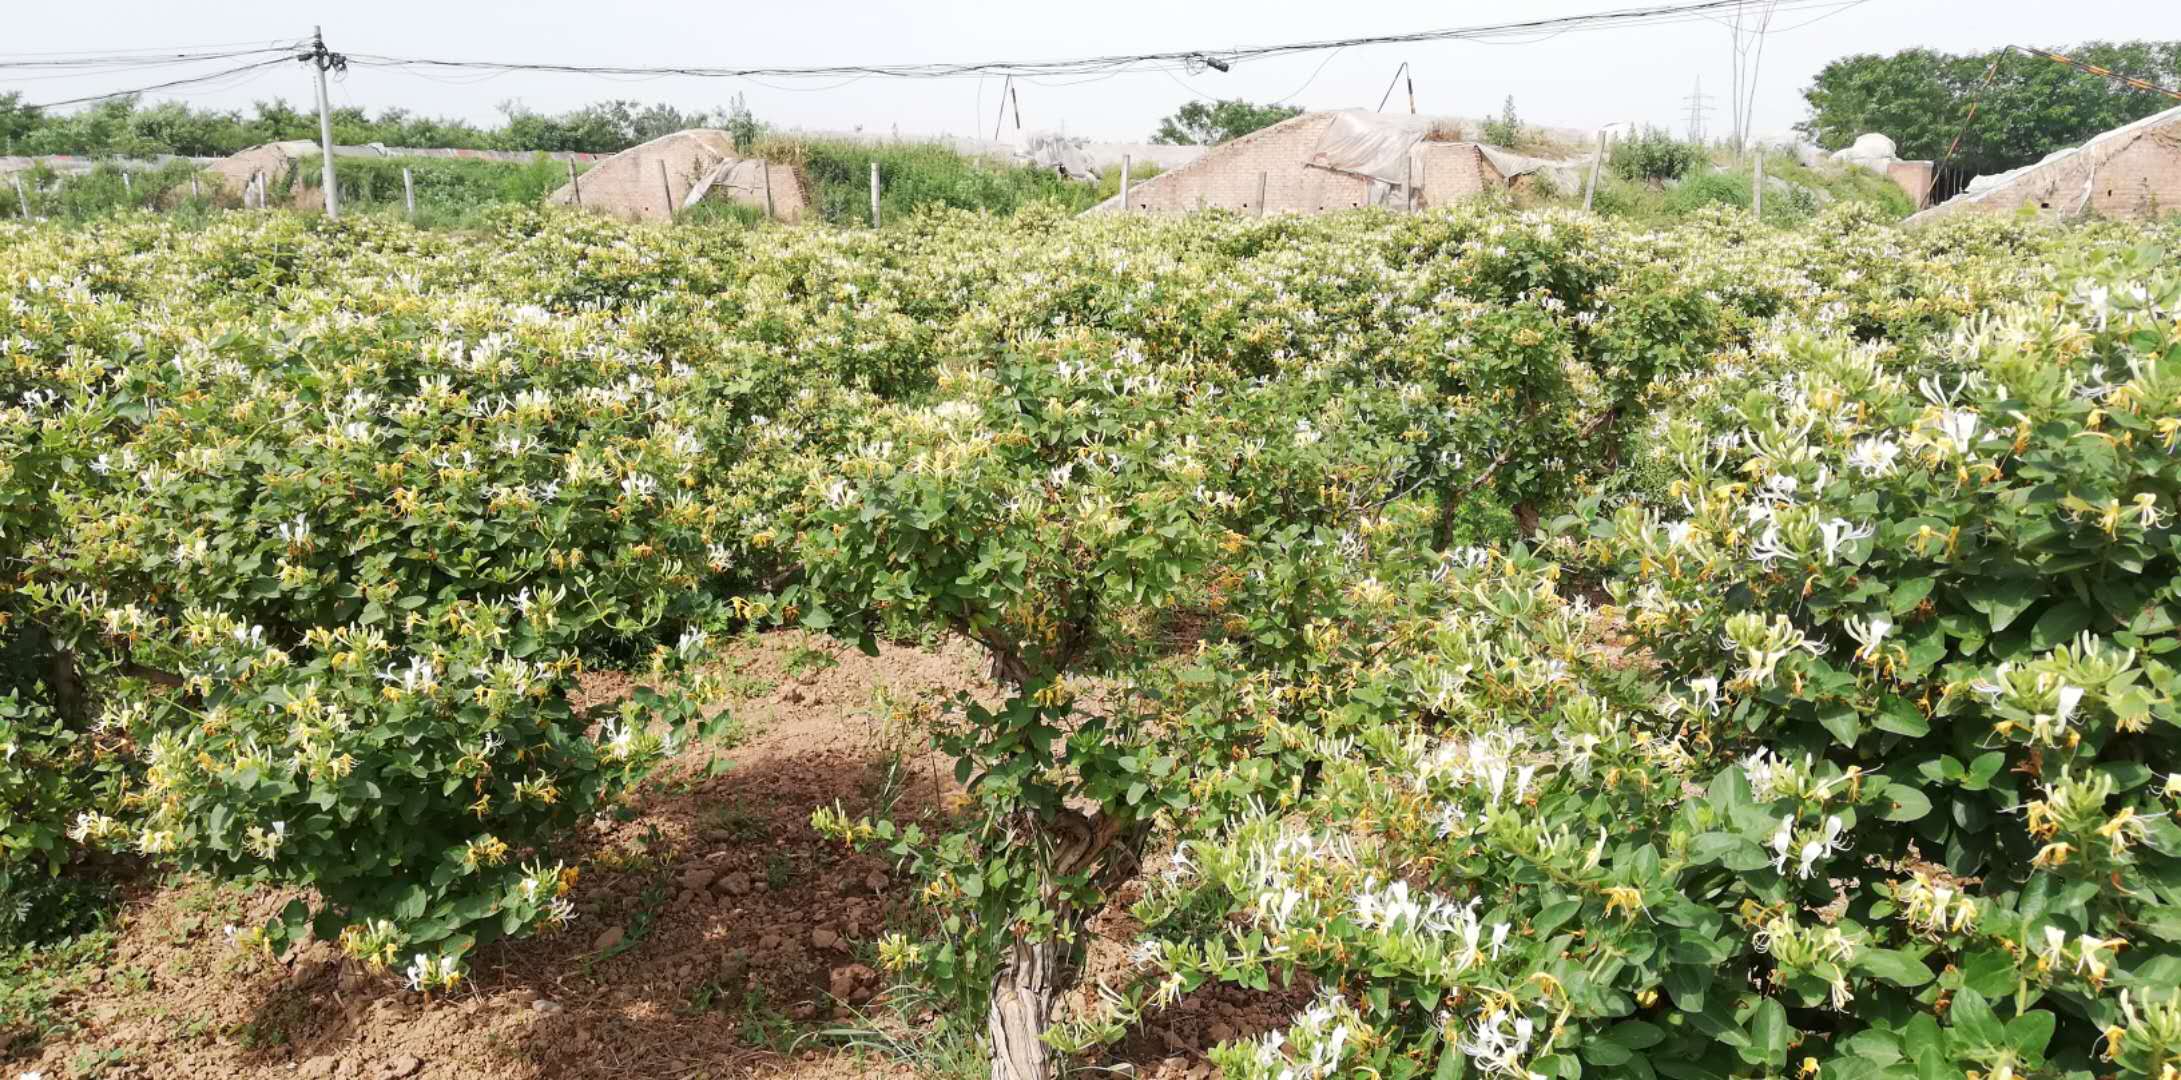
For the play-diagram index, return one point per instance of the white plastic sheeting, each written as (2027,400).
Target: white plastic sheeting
(1371,144)
(1379,146)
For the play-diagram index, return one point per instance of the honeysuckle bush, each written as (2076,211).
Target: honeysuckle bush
(1926,596)
(1373,577)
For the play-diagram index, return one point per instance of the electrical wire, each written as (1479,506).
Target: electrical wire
(1313,77)
(115,61)
(1097,65)
(169,85)
(34,54)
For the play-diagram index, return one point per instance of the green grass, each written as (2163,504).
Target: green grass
(1730,186)
(58,931)
(103,192)
(449,191)
(913,176)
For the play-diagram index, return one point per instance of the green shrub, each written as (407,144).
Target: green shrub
(1930,599)
(1655,154)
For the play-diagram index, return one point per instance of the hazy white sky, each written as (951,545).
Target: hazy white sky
(1577,80)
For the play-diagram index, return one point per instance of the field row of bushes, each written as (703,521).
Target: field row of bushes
(1563,647)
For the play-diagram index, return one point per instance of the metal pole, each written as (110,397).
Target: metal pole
(1128,163)
(408,192)
(1015,96)
(874,194)
(1260,194)
(320,63)
(1756,195)
(1412,95)
(575,185)
(666,189)
(1590,187)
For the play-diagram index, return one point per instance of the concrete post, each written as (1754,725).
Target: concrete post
(1756,195)
(666,190)
(1590,187)
(1127,164)
(325,124)
(874,194)
(409,192)
(1261,177)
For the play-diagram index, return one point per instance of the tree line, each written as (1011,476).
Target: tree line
(123,127)
(2025,106)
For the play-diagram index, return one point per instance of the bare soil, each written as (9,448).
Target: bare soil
(717,934)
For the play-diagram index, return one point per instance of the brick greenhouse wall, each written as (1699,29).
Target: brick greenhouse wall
(2140,179)
(1914,178)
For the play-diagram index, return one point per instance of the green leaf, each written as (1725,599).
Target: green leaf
(1452,1063)
(2059,625)
(2030,1032)
(1908,593)
(1767,1034)
(1904,802)
(1972,1018)
(1843,721)
(1894,966)
(2002,602)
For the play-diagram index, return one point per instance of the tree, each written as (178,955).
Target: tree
(17,120)
(1507,129)
(1206,123)
(2029,107)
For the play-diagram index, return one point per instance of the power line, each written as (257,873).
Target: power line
(1103,64)
(169,85)
(109,61)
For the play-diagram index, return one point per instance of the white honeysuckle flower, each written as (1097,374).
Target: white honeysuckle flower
(1839,532)
(1868,634)
(1874,457)
(1960,427)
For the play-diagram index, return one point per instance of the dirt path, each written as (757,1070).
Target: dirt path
(716,931)
(717,935)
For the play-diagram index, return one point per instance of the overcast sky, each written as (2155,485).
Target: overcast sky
(1575,80)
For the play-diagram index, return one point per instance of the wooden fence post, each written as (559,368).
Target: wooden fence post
(666,190)
(408,192)
(1261,178)
(575,183)
(766,167)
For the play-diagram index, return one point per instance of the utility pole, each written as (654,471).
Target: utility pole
(321,60)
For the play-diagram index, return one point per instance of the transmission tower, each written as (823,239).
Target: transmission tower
(1699,108)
